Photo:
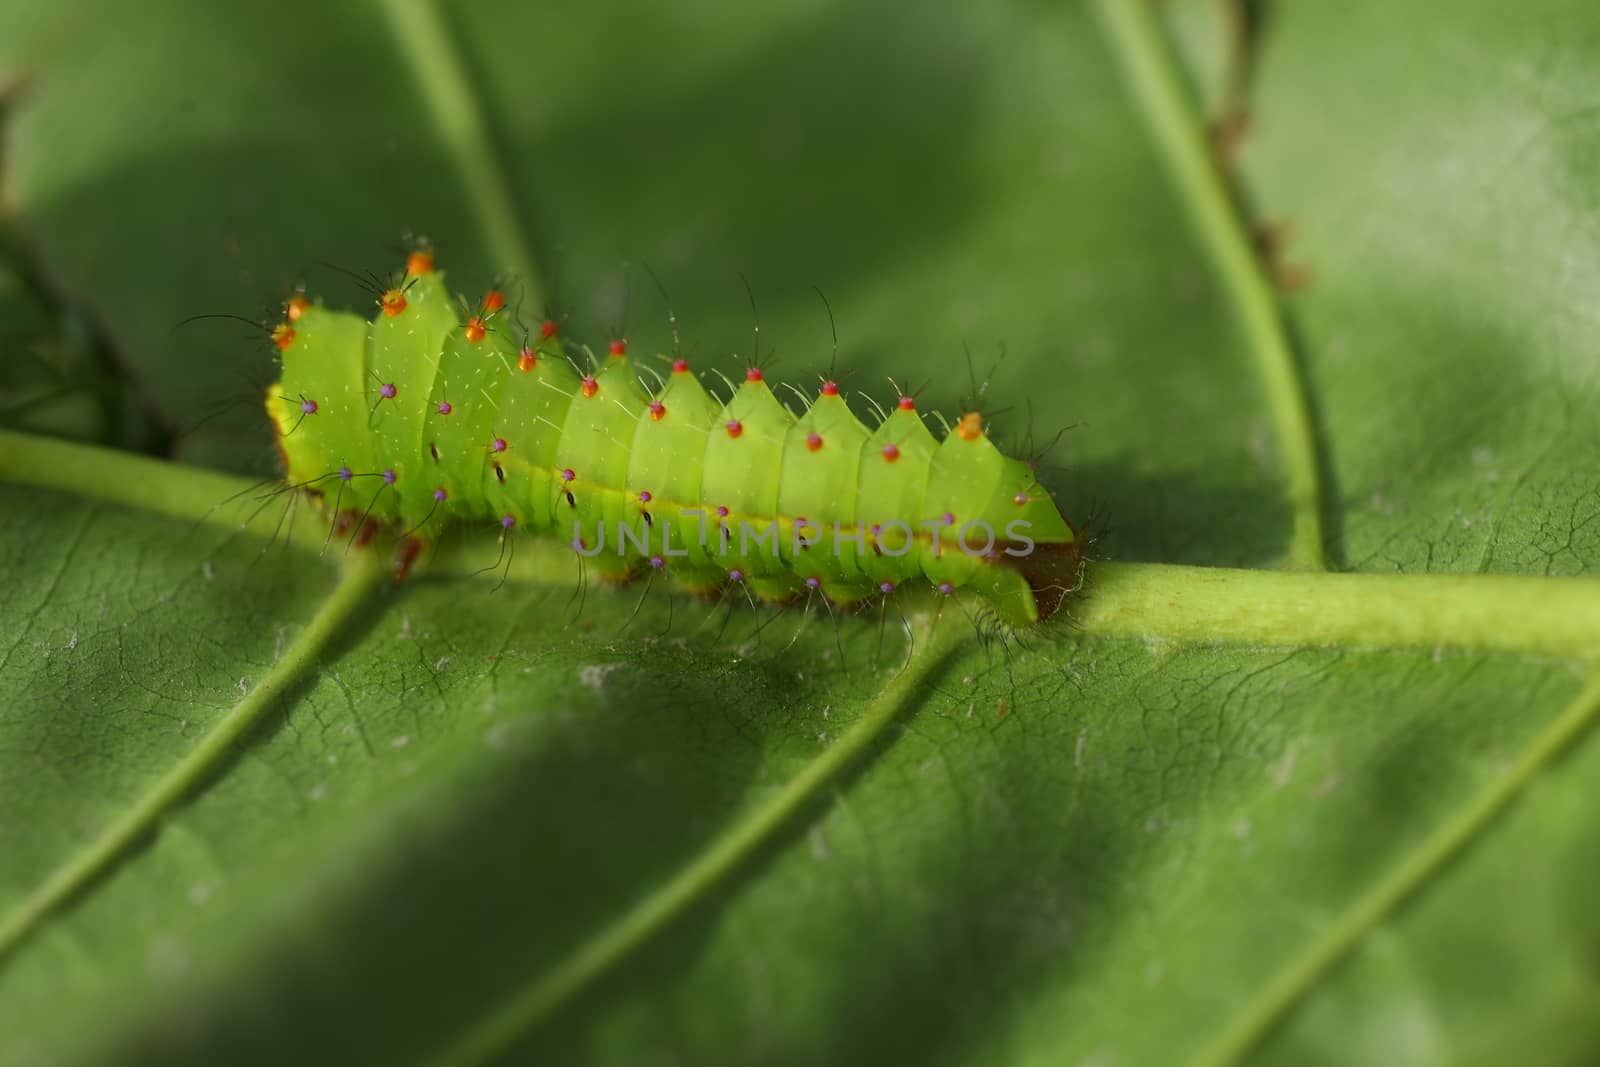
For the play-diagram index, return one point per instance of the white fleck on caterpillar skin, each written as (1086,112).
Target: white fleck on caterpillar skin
(415,418)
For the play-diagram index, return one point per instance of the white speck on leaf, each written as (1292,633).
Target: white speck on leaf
(208,570)
(594,676)
(400,742)
(1283,770)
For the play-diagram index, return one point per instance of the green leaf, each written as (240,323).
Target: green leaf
(262,805)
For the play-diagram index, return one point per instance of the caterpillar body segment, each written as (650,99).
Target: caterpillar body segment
(418,417)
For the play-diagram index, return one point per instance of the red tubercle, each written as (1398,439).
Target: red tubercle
(735,427)
(589,387)
(493,301)
(618,349)
(753,374)
(548,329)
(419,262)
(476,329)
(526,360)
(680,366)
(499,444)
(658,410)
(908,403)
(813,441)
(891,452)
(830,388)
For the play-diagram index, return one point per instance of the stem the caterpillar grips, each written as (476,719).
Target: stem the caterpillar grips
(419,416)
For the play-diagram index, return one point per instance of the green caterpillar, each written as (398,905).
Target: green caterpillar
(415,417)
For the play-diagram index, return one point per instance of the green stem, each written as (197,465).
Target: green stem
(365,573)
(529,1006)
(1291,985)
(1557,617)
(1180,133)
(428,45)
(134,481)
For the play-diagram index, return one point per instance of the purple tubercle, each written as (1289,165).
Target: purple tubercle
(444,407)
(388,392)
(945,589)
(657,562)
(308,407)
(345,474)
(440,495)
(508,521)
(499,444)
(644,496)
(736,575)
(813,583)
(568,475)
(886,587)
(390,477)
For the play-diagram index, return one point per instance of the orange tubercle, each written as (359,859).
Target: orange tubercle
(393,302)
(526,359)
(970,428)
(493,301)
(589,386)
(295,306)
(476,329)
(283,336)
(419,262)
